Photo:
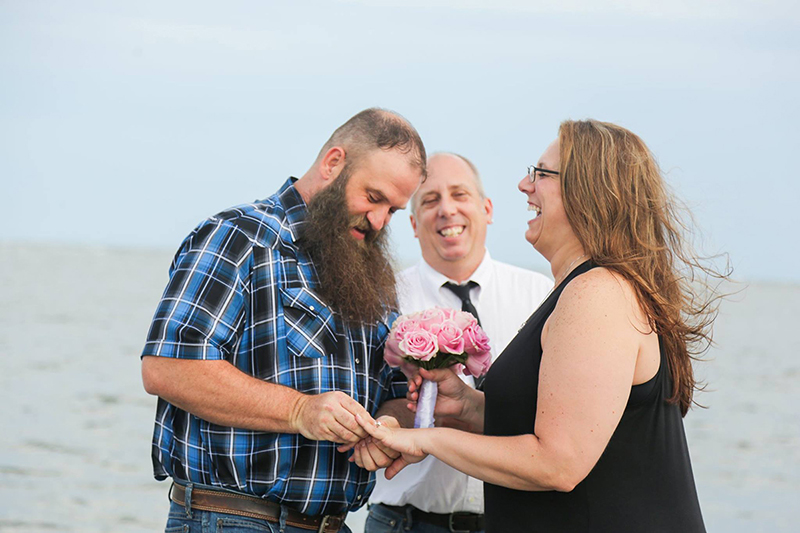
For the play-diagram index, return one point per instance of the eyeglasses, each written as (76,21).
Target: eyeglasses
(534,173)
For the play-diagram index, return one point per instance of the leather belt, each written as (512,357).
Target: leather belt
(243,505)
(456,522)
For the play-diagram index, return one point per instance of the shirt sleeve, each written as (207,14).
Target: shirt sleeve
(200,315)
(397,385)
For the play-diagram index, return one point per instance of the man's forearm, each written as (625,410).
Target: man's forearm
(218,392)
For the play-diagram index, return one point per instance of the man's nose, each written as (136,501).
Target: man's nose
(447,207)
(379,218)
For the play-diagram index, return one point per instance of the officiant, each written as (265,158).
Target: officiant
(450,215)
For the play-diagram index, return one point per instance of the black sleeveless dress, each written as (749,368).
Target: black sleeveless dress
(643,481)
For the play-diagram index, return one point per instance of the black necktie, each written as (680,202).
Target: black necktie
(462,291)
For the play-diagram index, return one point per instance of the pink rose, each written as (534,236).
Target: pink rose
(478,365)
(450,338)
(449,313)
(429,318)
(464,320)
(395,359)
(419,344)
(401,326)
(391,356)
(476,341)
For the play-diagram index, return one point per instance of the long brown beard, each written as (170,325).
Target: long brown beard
(356,277)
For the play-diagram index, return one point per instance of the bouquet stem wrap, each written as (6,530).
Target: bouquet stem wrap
(426,404)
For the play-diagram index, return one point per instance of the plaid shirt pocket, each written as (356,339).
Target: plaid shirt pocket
(310,330)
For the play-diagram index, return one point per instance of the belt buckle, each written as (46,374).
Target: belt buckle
(450,522)
(323,524)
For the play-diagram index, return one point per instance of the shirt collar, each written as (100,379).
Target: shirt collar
(432,280)
(294,206)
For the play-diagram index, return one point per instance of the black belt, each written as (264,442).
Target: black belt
(455,522)
(243,505)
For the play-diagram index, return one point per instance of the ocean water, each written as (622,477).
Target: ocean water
(76,423)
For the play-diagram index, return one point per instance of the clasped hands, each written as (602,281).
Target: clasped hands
(388,445)
(336,417)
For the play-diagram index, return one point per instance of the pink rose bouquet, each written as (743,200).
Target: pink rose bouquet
(437,338)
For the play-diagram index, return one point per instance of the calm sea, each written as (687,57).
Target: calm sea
(76,423)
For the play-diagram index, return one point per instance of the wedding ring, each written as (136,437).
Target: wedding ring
(378,423)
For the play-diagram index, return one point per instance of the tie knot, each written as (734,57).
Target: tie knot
(462,291)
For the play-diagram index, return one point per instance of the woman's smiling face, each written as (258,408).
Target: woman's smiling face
(546,228)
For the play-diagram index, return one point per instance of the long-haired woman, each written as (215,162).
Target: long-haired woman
(579,425)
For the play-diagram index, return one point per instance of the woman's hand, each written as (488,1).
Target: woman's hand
(405,441)
(456,400)
(369,453)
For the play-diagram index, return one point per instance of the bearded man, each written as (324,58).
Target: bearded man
(268,341)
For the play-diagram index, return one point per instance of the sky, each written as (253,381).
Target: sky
(125,124)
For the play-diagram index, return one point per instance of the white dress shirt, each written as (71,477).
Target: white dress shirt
(504,298)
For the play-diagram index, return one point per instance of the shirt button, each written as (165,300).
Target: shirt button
(311,307)
(358,497)
(357,361)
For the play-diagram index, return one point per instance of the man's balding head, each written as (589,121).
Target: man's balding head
(374,129)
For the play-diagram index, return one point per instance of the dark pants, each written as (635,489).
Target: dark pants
(384,520)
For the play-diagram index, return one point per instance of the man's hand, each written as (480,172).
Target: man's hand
(372,454)
(404,441)
(329,416)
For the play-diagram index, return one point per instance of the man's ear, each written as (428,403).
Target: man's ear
(487,205)
(413,225)
(332,163)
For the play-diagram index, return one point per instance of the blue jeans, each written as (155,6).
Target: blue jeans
(179,521)
(383,520)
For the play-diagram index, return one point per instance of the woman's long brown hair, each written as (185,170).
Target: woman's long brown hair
(628,221)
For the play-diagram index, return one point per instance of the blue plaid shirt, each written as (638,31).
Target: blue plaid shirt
(241,290)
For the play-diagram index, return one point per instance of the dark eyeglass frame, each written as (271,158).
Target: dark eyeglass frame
(532,170)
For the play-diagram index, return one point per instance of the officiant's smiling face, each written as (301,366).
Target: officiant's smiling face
(451,213)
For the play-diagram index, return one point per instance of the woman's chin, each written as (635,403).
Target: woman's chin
(532,236)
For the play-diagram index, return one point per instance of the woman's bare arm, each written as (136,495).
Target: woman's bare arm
(590,349)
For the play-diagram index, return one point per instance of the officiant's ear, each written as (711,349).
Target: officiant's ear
(489,209)
(332,163)
(413,223)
